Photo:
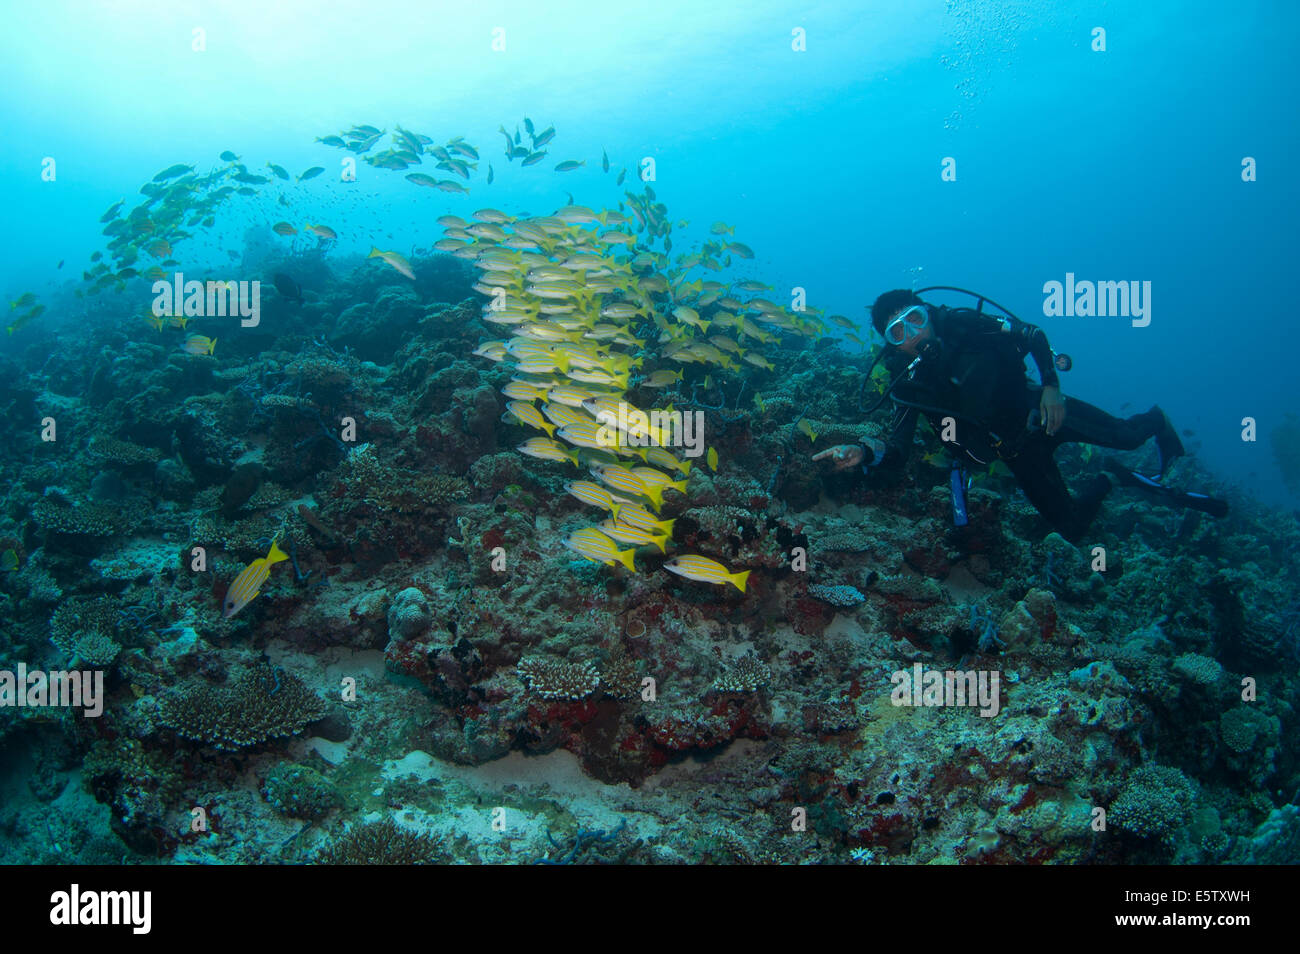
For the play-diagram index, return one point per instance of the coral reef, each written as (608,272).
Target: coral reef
(261,703)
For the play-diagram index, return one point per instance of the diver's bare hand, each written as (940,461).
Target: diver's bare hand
(1052,410)
(842,456)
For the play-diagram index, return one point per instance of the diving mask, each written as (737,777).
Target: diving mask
(909,323)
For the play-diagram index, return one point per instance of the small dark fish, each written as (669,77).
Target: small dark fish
(280,171)
(491,174)
(311,173)
(60,265)
(287,287)
(621,176)
(604,161)
(243,483)
(1188,432)
(228,156)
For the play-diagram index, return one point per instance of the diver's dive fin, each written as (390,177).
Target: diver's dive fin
(1175,498)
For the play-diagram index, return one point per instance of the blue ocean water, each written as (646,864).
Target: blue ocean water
(855,148)
(1115,165)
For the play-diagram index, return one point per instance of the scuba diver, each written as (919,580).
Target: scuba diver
(965,371)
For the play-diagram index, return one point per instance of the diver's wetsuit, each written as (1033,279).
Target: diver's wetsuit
(973,370)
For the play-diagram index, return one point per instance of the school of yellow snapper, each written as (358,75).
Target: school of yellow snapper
(585,303)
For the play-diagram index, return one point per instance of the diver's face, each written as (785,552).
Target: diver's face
(913,337)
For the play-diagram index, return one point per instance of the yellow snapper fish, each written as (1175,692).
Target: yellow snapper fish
(593,545)
(561,415)
(543,448)
(712,458)
(806,429)
(568,395)
(524,390)
(528,414)
(249,582)
(492,350)
(627,533)
(695,567)
(662,457)
(620,478)
(199,344)
(654,478)
(589,434)
(394,259)
(636,515)
(594,494)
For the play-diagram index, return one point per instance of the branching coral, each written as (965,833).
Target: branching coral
(87,631)
(747,675)
(90,519)
(262,703)
(1156,801)
(381,843)
(396,489)
(116,451)
(557,679)
(844,596)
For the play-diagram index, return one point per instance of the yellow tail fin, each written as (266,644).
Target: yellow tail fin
(740,579)
(625,557)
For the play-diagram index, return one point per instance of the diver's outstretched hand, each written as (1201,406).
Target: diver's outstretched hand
(843,456)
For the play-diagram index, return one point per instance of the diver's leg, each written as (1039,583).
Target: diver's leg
(1045,488)
(1088,424)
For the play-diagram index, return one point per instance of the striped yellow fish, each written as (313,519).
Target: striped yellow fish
(655,478)
(620,478)
(250,580)
(695,567)
(626,533)
(593,435)
(569,395)
(595,546)
(562,416)
(543,448)
(524,390)
(529,415)
(594,494)
(636,515)
(661,457)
